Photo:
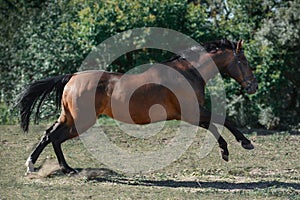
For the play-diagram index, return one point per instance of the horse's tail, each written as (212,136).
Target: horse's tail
(36,93)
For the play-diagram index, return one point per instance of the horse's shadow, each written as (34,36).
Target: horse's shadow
(107,175)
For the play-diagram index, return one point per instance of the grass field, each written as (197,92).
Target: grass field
(270,171)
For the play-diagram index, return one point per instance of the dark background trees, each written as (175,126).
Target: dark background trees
(41,38)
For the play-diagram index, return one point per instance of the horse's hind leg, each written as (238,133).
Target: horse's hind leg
(56,134)
(38,150)
(60,135)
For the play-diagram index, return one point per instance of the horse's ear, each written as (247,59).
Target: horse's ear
(239,45)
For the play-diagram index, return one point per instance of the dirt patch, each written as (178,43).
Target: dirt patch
(48,168)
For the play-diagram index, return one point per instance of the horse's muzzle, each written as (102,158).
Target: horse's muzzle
(251,86)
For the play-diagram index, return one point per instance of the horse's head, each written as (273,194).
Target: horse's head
(232,61)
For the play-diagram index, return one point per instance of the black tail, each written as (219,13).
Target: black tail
(36,93)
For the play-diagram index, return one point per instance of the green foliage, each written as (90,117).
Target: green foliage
(267,118)
(279,46)
(6,117)
(46,38)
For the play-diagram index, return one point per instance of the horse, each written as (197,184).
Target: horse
(102,89)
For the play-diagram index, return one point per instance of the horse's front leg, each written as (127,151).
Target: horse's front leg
(221,141)
(204,122)
(246,144)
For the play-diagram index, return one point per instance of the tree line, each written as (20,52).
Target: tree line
(42,38)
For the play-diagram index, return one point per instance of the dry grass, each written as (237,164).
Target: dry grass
(48,168)
(271,171)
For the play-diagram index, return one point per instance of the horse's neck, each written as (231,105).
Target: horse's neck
(208,72)
(205,68)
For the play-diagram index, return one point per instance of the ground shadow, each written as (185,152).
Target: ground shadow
(221,184)
(107,175)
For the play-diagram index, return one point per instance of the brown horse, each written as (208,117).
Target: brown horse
(85,95)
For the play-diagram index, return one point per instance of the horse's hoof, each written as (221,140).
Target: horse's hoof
(225,157)
(72,173)
(69,171)
(248,146)
(29,165)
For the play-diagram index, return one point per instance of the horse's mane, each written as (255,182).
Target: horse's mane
(223,44)
(208,47)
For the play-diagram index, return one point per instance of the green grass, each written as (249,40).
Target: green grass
(271,171)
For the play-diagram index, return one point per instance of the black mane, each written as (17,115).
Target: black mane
(222,44)
(206,47)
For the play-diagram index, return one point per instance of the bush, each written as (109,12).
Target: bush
(47,38)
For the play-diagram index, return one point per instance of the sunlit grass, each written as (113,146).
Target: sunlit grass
(271,171)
